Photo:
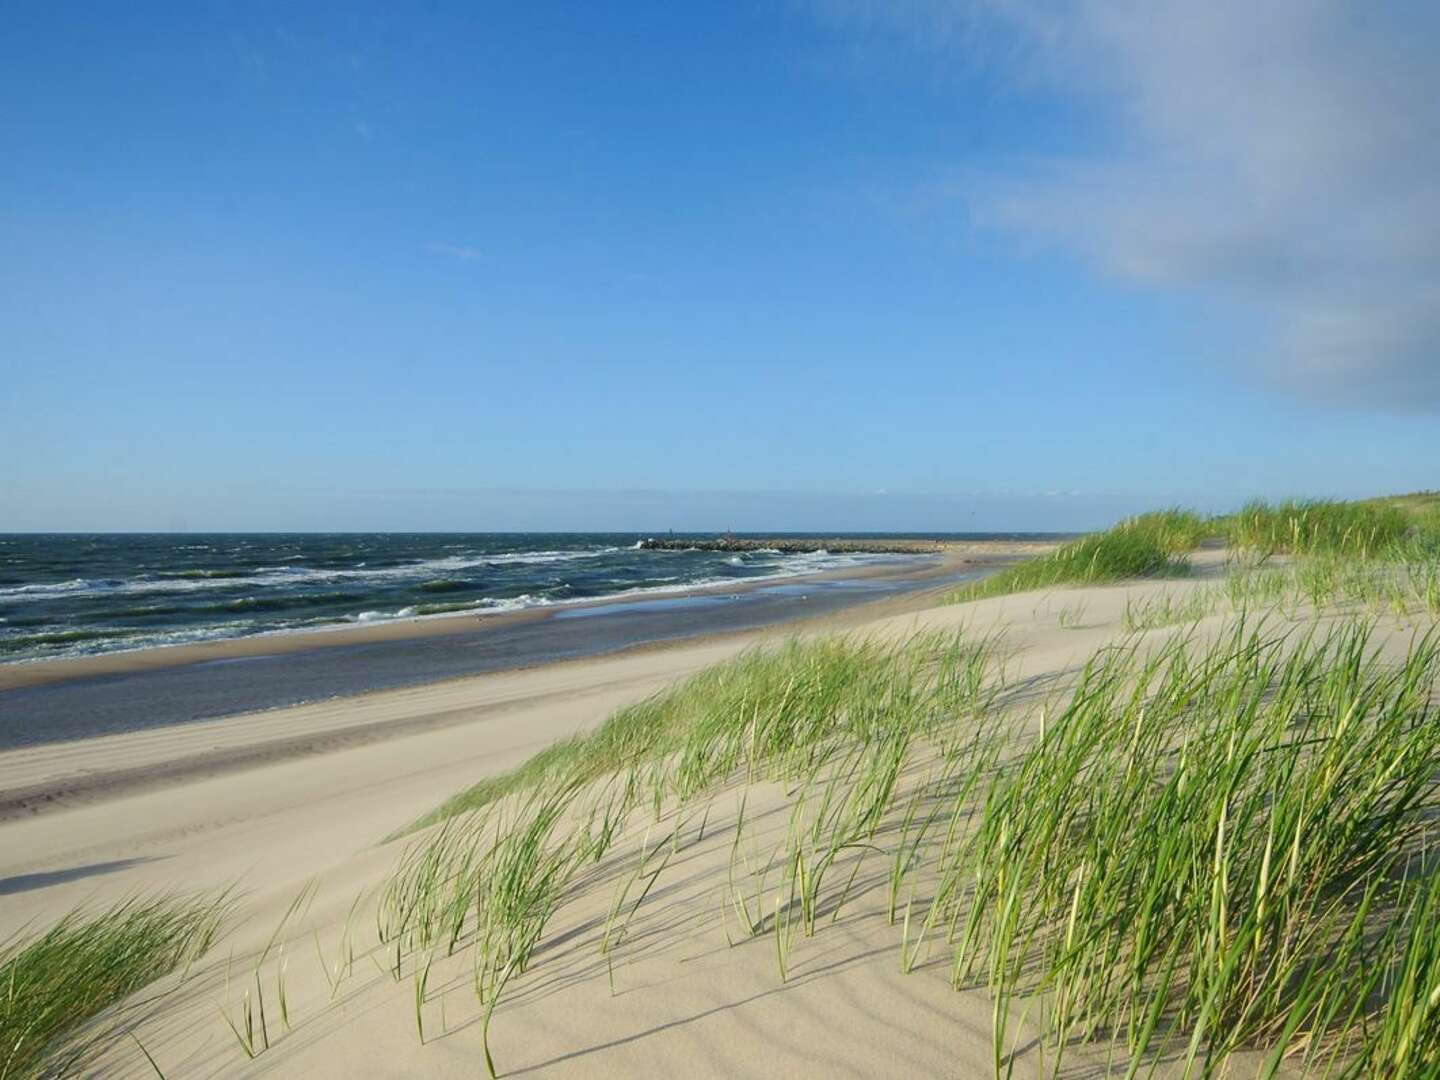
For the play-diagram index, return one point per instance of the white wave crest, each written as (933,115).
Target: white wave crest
(294,575)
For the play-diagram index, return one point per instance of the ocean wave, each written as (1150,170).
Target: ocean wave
(247,602)
(197,580)
(21,642)
(253,607)
(487,605)
(204,575)
(445,585)
(45,589)
(420,610)
(87,641)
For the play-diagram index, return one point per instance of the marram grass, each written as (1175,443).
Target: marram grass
(1214,845)
(1207,845)
(785,692)
(1151,545)
(55,986)
(1198,855)
(1354,529)
(505,856)
(1402,530)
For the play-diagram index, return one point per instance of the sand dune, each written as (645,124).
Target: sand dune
(689,998)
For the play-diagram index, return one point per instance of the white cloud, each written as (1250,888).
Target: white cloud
(1283,155)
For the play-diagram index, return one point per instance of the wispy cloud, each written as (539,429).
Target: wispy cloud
(1283,156)
(455,251)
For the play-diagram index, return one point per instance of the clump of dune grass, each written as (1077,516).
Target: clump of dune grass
(1150,545)
(1259,587)
(1406,583)
(1355,529)
(1403,529)
(506,853)
(54,986)
(1209,844)
(1167,610)
(791,697)
(251,1026)
(1196,855)
(1405,1037)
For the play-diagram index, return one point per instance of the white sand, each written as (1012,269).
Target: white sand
(686,1002)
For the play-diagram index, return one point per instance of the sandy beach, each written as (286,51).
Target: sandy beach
(59,774)
(278,803)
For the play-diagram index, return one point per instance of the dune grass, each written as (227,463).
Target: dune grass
(1208,851)
(54,986)
(491,877)
(1406,587)
(822,680)
(1354,529)
(1151,545)
(1398,529)
(1423,509)
(1209,845)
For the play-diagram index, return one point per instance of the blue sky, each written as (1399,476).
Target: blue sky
(752,265)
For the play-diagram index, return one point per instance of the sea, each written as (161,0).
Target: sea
(67,594)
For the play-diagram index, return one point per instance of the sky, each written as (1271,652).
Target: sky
(803,264)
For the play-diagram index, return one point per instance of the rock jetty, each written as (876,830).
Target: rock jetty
(795,547)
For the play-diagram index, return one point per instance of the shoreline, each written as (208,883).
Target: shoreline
(38,672)
(47,777)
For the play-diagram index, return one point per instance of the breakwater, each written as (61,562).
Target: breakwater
(792,546)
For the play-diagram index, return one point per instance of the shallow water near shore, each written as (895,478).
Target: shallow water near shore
(150,697)
(77,595)
(64,595)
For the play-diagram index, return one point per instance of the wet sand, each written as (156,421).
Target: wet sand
(146,727)
(957,557)
(51,701)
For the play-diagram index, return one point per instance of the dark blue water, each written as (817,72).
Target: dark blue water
(106,704)
(69,595)
(87,586)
